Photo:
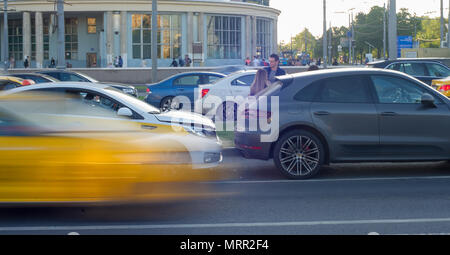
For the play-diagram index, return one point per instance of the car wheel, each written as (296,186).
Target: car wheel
(226,112)
(299,154)
(166,104)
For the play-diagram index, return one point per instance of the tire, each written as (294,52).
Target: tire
(290,154)
(166,104)
(226,112)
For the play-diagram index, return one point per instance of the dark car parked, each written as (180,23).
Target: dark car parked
(350,115)
(80,77)
(425,70)
(162,93)
(36,77)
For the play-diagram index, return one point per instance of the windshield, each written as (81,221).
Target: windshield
(88,77)
(138,103)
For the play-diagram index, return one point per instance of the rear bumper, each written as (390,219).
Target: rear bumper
(251,146)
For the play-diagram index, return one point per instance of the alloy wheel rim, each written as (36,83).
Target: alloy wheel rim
(299,155)
(166,105)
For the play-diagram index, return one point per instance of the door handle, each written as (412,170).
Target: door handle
(321,113)
(148,127)
(389,114)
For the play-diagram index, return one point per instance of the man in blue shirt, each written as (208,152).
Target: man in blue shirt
(273,69)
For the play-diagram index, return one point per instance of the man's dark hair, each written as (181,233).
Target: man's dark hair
(313,68)
(275,56)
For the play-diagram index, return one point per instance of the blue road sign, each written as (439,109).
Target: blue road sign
(403,42)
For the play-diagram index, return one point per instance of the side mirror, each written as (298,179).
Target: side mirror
(125,112)
(428,100)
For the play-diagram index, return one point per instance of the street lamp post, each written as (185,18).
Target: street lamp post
(5,36)
(325,58)
(61,39)
(154,41)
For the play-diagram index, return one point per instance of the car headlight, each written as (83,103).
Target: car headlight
(202,132)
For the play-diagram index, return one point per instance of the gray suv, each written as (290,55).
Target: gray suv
(350,115)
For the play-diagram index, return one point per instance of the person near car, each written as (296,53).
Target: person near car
(261,82)
(174,63)
(255,61)
(120,61)
(26,63)
(248,61)
(52,63)
(187,60)
(180,62)
(274,69)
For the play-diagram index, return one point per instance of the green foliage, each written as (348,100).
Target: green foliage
(369,28)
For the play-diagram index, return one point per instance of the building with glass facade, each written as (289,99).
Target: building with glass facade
(213,32)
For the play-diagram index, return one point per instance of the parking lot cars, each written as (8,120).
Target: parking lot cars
(91,163)
(62,75)
(197,132)
(425,70)
(36,77)
(161,94)
(235,84)
(442,85)
(10,82)
(349,115)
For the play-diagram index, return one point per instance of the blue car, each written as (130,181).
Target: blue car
(162,93)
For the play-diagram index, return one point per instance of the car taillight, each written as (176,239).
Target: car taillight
(204,92)
(27,82)
(444,88)
(148,90)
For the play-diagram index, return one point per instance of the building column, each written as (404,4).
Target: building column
(39,26)
(248,39)
(201,35)
(253,35)
(124,37)
(26,34)
(109,38)
(190,32)
(275,36)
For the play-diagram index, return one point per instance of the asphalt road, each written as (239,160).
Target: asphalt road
(344,199)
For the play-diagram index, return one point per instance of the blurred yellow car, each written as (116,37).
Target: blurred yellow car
(442,85)
(38,165)
(10,82)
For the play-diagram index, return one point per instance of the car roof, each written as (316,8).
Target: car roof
(37,74)
(11,78)
(324,73)
(78,85)
(405,60)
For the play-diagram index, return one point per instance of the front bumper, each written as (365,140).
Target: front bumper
(251,146)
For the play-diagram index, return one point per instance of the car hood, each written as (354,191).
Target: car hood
(186,118)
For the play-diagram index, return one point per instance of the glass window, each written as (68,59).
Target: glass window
(263,38)
(71,77)
(168,36)
(308,93)
(213,79)
(246,80)
(224,37)
(347,89)
(15,39)
(92,25)
(437,70)
(393,90)
(71,38)
(190,80)
(414,69)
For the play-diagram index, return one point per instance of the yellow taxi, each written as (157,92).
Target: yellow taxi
(10,82)
(87,165)
(442,85)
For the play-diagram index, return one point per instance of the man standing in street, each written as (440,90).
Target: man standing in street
(26,63)
(273,69)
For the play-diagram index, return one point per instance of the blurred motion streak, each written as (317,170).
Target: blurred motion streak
(77,162)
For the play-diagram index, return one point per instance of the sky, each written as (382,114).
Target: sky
(298,14)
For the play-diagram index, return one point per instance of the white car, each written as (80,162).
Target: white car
(196,132)
(216,96)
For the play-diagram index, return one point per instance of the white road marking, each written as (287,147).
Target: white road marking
(227,225)
(336,180)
